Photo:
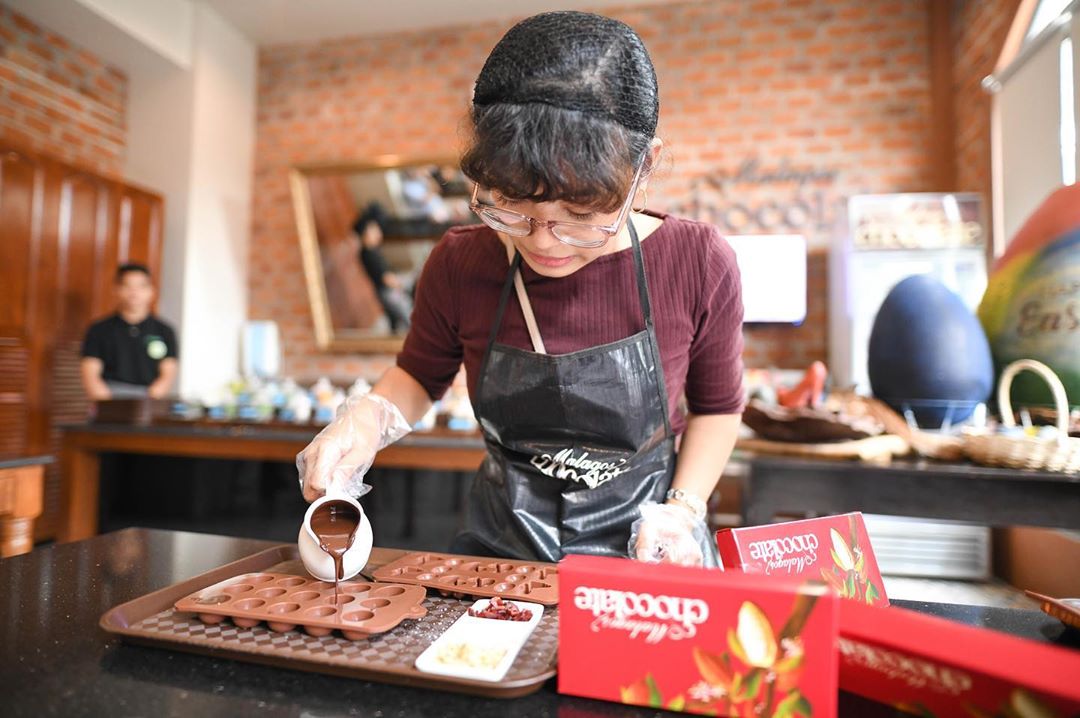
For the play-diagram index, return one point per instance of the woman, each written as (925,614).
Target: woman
(581,319)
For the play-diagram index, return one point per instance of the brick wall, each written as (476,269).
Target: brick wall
(835,92)
(979,30)
(58,98)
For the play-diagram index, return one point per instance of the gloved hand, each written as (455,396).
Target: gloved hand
(344,450)
(668,533)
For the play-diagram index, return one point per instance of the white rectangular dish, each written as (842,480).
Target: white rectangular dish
(481,649)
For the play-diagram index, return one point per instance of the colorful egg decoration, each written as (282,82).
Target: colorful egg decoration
(928,353)
(1031,310)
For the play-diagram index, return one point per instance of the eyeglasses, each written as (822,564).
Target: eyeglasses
(576,234)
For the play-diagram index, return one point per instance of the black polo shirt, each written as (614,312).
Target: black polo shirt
(131,352)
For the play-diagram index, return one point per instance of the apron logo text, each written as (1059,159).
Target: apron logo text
(582,469)
(642,614)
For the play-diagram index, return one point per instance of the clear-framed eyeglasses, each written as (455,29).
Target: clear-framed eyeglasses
(576,234)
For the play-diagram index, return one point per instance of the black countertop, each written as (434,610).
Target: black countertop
(55,661)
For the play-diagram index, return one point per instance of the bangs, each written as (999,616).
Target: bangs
(541,153)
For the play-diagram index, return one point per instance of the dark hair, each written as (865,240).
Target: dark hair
(129,267)
(564,108)
(374,212)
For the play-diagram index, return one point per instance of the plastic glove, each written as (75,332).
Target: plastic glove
(341,454)
(667,533)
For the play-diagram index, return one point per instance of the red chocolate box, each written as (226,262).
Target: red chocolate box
(835,549)
(940,669)
(696,640)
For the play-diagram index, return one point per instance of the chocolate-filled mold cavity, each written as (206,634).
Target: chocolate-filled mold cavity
(460,576)
(285,603)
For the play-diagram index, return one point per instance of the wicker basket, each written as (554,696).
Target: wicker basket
(1060,453)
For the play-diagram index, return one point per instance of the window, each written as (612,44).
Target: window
(1068,113)
(1046,13)
(1034,119)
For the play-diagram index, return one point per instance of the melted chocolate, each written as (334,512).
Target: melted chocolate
(335,524)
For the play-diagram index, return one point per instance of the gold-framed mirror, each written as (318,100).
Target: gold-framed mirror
(365,230)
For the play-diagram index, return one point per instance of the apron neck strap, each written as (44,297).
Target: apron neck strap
(513,280)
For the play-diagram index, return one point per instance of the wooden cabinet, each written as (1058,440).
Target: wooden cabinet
(63,232)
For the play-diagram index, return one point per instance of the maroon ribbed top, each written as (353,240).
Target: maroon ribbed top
(697,310)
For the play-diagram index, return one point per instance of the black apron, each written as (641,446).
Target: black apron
(575,442)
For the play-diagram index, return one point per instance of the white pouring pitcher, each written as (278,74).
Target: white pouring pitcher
(319,563)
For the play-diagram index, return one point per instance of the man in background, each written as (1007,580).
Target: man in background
(131,353)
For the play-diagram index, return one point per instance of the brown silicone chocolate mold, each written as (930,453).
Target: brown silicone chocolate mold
(472,576)
(285,602)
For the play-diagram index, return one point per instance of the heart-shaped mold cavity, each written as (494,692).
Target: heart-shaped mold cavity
(320,611)
(270,592)
(318,631)
(388,591)
(357,588)
(258,578)
(280,627)
(290,582)
(305,595)
(375,603)
(245,622)
(210,618)
(249,604)
(238,588)
(358,616)
(213,600)
(286,607)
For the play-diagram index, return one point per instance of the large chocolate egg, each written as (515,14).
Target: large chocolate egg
(928,353)
(1031,310)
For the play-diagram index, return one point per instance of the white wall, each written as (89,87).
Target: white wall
(191,136)
(162,25)
(158,156)
(219,211)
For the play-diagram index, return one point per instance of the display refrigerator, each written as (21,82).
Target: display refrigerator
(881,240)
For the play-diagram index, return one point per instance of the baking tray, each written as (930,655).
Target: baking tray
(453,575)
(283,602)
(385,658)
